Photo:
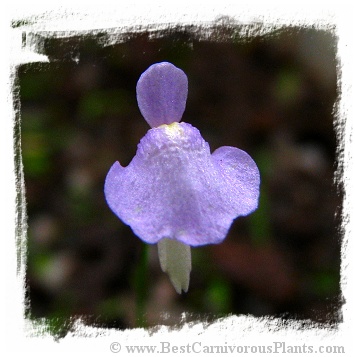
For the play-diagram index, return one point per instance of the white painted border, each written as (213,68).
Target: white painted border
(80,17)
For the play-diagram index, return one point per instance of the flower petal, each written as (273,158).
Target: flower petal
(162,93)
(242,175)
(174,188)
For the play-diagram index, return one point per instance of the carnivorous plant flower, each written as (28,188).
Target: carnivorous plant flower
(175,192)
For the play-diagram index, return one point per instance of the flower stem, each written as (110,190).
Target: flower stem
(140,282)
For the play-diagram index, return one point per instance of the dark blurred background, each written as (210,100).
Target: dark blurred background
(272,96)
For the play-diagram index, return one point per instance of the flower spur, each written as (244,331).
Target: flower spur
(175,192)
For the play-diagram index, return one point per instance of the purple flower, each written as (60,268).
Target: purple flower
(175,191)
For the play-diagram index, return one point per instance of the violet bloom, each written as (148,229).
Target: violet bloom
(175,192)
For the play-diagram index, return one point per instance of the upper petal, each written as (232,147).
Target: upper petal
(162,93)
(174,188)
